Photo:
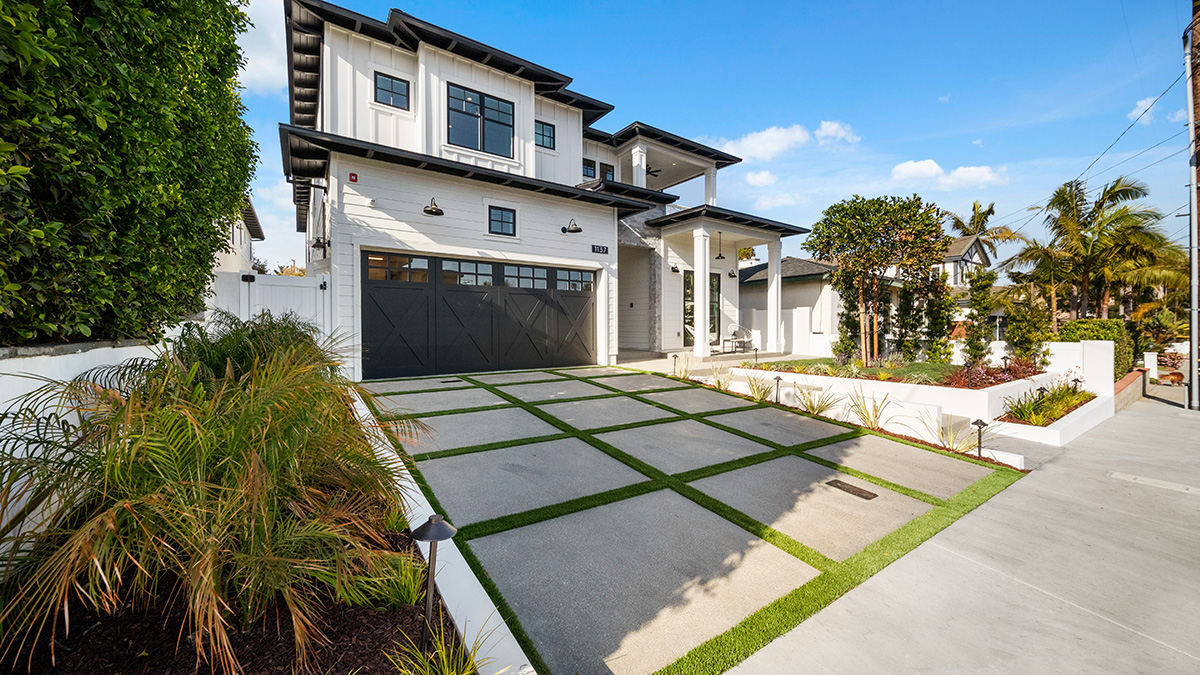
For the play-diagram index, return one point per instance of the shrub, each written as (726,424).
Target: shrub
(869,411)
(232,473)
(1040,409)
(761,388)
(939,315)
(721,380)
(1103,329)
(1027,330)
(123,162)
(1172,360)
(977,346)
(908,322)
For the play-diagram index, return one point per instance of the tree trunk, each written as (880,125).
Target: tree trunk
(1054,310)
(1127,302)
(1084,290)
(875,318)
(1105,300)
(1074,308)
(862,323)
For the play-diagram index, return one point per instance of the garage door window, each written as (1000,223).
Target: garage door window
(518,276)
(385,267)
(575,280)
(464,273)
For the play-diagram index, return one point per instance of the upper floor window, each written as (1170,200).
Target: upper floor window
(391,91)
(480,122)
(502,221)
(589,168)
(543,134)
(607,172)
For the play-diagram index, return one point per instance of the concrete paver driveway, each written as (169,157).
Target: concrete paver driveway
(629,518)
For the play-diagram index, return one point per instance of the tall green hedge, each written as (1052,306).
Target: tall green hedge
(1103,329)
(123,161)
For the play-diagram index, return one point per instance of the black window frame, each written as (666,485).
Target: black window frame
(540,135)
(492,221)
(589,165)
(407,91)
(607,171)
(485,116)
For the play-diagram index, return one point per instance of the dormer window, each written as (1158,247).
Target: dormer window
(391,91)
(479,122)
(589,168)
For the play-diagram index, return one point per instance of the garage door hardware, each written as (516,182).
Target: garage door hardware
(852,489)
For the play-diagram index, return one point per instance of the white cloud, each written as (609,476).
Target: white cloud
(1142,106)
(765,145)
(829,132)
(978,142)
(915,171)
(927,170)
(1177,116)
(768,202)
(761,178)
(944,99)
(265,49)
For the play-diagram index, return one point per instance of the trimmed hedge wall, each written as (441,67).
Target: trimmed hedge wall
(1103,329)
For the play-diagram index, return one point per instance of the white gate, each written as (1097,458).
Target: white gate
(246,294)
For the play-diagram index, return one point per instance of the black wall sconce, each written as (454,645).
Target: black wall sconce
(433,209)
(675,269)
(572,228)
(732,274)
(320,243)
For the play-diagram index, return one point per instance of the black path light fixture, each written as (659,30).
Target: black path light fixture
(778,379)
(979,425)
(433,530)
(1005,359)
(433,209)
(1076,381)
(720,251)
(756,356)
(572,228)
(1043,391)
(674,364)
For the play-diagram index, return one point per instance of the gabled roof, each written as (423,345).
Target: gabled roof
(306,156)
(627,190)
(643,130)
(789,268)
(725,215)
(250,220)
(305,22)
(959,247)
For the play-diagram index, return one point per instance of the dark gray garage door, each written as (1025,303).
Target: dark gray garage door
(425,316)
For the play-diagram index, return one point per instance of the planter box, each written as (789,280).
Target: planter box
(1065,430)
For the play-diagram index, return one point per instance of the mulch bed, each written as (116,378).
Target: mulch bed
(145,642)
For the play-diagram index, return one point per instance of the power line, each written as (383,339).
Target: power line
(1131,125)
(1182,132)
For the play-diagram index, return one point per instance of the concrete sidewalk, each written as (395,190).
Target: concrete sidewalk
(1091,564)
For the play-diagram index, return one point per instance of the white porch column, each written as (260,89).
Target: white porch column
(700,265)
(638,155)
(710,186)
(774,296)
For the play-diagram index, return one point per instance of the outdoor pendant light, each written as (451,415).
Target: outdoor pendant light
(434,530)
(572,228)
(433,209)
(720,254)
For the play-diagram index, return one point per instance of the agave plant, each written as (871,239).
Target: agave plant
(920,378)
(231,474)
(761,388)
(814,401)
(721,380)
(869,410)
(822,369)
(960,438)
(684,367)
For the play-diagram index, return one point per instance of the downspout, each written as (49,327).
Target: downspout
(1193,389)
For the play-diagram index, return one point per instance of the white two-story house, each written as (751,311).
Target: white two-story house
(471,216)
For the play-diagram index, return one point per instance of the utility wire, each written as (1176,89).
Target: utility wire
(1131,125)
(1182,132)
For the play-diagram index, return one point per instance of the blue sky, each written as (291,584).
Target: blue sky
(955,101)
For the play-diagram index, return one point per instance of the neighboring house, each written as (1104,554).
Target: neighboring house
(471,217)
(808,289)
(242,234)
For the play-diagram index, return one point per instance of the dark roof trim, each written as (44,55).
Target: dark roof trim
(642,130)
(965,247)
(250,220)
(612,187)
(306,156)
(305,21)
(725,215)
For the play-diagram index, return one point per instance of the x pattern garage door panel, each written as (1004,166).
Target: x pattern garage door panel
(424,315)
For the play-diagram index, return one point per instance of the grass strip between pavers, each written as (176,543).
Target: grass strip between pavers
(726,650)
(469,449)
(484,528)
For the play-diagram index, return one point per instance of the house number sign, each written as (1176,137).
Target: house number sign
(599,249)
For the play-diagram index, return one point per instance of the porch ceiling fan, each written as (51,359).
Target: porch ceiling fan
(651,171)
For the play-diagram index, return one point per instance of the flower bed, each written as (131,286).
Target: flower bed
(1041,409)
(924,373)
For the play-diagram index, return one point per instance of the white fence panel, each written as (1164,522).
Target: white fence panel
(245,295)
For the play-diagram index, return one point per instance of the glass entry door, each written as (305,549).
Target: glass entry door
(689,307)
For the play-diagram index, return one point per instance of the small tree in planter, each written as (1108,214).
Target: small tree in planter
(980,304)
(908,322)
(849,328)
(1028,326)
(939,316)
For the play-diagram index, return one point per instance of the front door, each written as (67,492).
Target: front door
(689,307)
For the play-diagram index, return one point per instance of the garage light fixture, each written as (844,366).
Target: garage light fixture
(433,209)
(572,228)
(434,530)
(320,243)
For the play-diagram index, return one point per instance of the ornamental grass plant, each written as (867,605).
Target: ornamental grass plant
(231,474)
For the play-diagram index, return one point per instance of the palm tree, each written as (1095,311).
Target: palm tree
(977,224)
(1046,267)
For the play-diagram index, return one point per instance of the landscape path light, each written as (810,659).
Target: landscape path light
(1005,360)
(674,364)
(979,425)
(1043,391)
(433,530)
(778,378)
(1076,382)
(756,356)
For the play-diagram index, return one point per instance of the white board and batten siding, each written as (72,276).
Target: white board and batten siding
(634,299)
(679,251)
(395,222)
(563,164)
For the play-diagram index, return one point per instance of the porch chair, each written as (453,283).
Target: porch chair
(739,339)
